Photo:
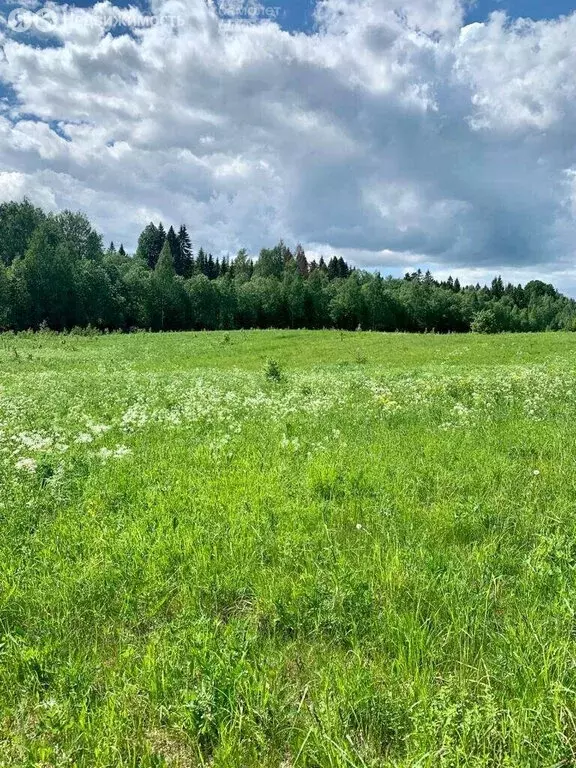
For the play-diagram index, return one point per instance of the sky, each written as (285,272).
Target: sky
(398,134)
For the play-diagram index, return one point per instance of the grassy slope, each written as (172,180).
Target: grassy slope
(370,563)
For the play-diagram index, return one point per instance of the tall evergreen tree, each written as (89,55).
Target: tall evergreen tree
(184,259)
(333,268)
(302,262)
(172,240)
(158,244)
(202,263)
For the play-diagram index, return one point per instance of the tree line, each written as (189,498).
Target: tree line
(55,272)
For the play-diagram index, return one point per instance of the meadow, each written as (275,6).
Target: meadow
(363,556)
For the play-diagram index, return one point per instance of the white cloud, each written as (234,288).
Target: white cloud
(393,134)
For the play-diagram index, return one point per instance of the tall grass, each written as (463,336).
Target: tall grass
(369,560)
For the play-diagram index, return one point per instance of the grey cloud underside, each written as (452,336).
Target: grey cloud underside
(393,136)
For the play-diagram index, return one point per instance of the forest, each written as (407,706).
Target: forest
(56,272)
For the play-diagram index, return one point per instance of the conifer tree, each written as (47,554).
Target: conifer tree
(172,241)
(184,259)
(333,268)
(210,267)
(157,245)
(201,262)
(302,262)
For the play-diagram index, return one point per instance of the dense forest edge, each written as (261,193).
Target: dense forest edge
(55,272)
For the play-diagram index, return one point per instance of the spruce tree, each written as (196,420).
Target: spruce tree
(302,262)
(201,262)
(333,268)
(172,241)
(210,267)
(157,245)
(184,259)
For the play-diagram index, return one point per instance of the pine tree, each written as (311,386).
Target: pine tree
(302,262)
(121,251)
(333,268)
(184,259)
(201,262)
(172,241)
(210,267)
(157,245)
(343,269)
(497,287)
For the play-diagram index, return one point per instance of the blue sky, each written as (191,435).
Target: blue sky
(297,14)
(396,143)
(534,9)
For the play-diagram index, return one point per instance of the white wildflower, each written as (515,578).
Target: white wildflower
(99,429)
(29,465)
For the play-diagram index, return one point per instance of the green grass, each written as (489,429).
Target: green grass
(370,562)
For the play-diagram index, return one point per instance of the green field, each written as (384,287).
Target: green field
(368,562)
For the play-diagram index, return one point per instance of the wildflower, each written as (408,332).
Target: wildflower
(116,453)
(29,465)
(536,472)
(99,429)
(84,437)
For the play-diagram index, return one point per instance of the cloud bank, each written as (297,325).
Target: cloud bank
(393,134)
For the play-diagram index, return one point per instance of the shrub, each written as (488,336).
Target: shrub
(272,371)
(485,321)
